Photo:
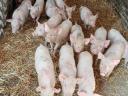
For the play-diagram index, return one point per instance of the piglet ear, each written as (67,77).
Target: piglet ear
(116,62)
(92,39)
(46,27)
(38,23)
(74,7)
(62,77)
(92,36)
(9,20)
(96,16)
(100,55)
(57,90)
(87,40)
(106,43)
(81,93)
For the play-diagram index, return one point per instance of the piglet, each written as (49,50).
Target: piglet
(54,21)
(60,4)
(69,11)
(37,9)
(87,17)
(51,9)
(98,41)
(58,35)
(77,38)
(86,79)
(62,35)
(20,15)
(67,68)
(114,36)
(45,71)
(48,26)
(111,58)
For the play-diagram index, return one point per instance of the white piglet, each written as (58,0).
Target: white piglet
(111,58)
(37,9)
(67,68)
(86,79)
(62,36)
(98,41)
(58,35)
(20,16)
(77,38)
(43,28)
(51,9)
(45,71)
(54,21)
(87,17)
(114,36)
(60,4)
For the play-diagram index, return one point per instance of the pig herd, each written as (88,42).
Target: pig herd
(57,31)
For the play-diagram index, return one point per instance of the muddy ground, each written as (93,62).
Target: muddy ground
(17,73)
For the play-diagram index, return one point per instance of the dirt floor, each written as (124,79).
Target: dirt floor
(17,73)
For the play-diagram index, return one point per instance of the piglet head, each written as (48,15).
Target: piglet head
(40,30)
(68,84)
(76,27)
(92,39)
(79,47)
(34,12)
(15,24)
(98,45)
(81,8)
(69,10)
(93,20)
(106,65)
